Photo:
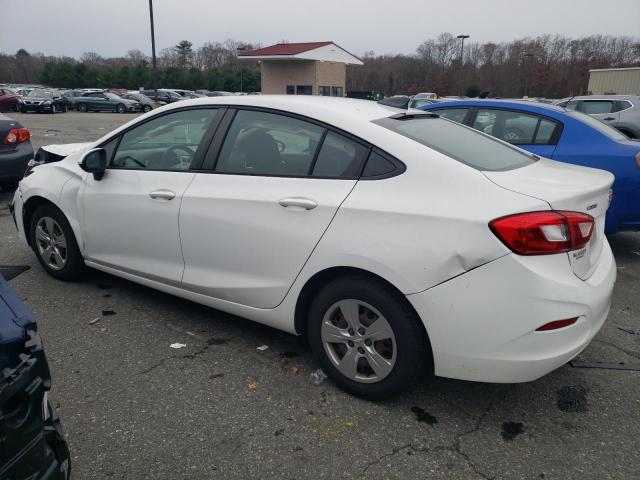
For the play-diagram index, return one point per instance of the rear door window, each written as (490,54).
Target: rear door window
(518,128)
(261,143)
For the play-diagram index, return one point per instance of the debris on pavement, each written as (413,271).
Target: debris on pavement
(216,375)
(178,345)
(294,370)
(252,386)
(511,430)
(604,365)
(108,313)
(317,377)
(424,416)
(104,330)
(94,321)
(262,348)
(628,330)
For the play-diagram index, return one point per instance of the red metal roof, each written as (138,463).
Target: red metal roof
(284,49)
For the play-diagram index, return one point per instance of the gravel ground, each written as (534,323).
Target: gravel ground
(132,407)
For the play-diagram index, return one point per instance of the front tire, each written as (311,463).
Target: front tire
(54,244)
(367,337)
(146,108)
(82,107)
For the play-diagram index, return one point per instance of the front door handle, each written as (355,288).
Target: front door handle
(305,203)
(610,118)
(162,195)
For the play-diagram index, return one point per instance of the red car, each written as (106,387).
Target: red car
(8,100)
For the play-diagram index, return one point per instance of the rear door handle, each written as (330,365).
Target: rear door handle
(162,194)
(609,118)
(305,203)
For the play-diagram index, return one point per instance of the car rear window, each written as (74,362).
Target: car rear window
(459,142)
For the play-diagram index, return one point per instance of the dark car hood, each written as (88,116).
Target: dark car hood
(15,319)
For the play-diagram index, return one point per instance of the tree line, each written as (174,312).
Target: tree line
(550,66)
(213,66)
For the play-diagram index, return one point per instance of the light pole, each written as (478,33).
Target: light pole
(239,50)
(526,55)
(153,49)
(461,37)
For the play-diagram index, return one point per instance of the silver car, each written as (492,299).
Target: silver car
(619,111)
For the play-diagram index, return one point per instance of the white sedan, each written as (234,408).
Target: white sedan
(395,242)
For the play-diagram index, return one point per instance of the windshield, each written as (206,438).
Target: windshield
(112,96)
(606,130)
(459,142)
(40,93)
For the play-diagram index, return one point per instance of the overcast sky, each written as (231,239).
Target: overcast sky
(112,27)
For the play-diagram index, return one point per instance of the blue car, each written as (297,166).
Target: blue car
(32,444)
(564,135)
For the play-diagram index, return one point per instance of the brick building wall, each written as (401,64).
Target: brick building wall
(276,75)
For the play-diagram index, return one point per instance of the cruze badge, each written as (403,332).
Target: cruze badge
(591,207)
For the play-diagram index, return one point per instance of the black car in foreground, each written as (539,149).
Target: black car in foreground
(32,445)
(15,152)
(40,100)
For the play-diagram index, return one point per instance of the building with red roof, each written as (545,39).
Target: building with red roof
(310,68)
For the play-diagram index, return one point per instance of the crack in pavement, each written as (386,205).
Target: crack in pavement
(631,353)
(162,361)
(455,447)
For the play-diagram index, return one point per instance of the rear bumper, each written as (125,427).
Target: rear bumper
(13,164)
(482,324)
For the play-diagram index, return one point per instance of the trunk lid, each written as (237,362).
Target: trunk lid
(566,187)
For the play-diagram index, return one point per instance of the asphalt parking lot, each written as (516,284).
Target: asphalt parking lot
(132,407)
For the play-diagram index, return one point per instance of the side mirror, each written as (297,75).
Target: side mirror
(94,161)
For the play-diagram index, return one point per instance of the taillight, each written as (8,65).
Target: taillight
(16,135)
(541,233)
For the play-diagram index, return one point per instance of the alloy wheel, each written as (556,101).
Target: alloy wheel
(51,243)
(359,341)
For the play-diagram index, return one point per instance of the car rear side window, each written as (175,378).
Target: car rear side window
(459,142)
(593,107)
(339,157)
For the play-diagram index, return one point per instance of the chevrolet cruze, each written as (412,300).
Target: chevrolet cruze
(395,242)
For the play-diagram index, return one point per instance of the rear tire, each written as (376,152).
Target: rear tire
(54,244)
(403,344)
(120,108)
(82,107)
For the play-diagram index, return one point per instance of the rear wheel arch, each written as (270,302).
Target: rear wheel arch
(322,278)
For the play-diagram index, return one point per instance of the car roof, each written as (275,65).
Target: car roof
(602,97)
(518,104)
(321,108)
